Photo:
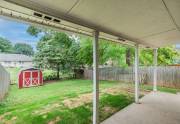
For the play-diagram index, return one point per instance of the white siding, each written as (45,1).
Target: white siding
(16,64)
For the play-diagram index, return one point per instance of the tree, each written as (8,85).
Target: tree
(119,55)
(34,31)
(166,56)
(85,52)
(114,52)
(5,45)
(108,51)
(56,50)
(23,48)
(129,56)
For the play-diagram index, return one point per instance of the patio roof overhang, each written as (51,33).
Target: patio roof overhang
(151,23)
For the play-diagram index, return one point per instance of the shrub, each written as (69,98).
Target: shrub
(49,75)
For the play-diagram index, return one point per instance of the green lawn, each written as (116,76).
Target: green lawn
(66,102)
(44,104)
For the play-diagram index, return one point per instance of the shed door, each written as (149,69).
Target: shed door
(26,78)
(30,78)
(35,78)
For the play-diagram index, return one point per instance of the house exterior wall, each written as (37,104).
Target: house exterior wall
(17,64)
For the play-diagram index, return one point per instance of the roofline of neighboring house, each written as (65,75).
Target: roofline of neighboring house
(16,61)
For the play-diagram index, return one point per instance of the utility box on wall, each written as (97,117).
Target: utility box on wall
(30,77)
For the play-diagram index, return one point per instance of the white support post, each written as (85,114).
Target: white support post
(136,71)
(95,79)
(155,71)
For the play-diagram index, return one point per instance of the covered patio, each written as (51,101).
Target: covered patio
(138,23)
(155,108)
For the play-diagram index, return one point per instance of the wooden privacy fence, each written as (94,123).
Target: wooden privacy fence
(166,75)
(4,82)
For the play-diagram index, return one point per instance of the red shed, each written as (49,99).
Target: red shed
(30,77)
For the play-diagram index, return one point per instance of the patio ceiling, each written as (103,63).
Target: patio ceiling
(153,23)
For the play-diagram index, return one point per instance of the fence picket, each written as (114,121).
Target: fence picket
(167,75)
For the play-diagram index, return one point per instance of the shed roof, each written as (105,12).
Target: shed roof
(14,57)
(152,23)
(29,68)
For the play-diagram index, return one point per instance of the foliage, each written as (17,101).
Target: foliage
(56,51)
(107,52)
(49,75)
(166,56)
(120,55)
(34,31)
(146,57)
(19,48)
(114,52)
(85,51)
(23,48)
(5,45)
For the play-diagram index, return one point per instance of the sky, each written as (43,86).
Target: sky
(16,32)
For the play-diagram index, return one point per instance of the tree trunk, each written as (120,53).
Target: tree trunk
(58,72)
(128,56)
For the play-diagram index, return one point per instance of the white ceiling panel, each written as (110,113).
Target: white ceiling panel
(174,8)
(164,39)
(137,18)
(62,6)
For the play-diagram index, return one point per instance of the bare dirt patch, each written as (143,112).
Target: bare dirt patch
(87,98)
(108,109)
(57,119)
(2,118)
(114,90)
(75,102)
(47,109)
(5,121)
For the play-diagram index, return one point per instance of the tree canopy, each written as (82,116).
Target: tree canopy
(23,48)
(56,51)
(166,56)
(107,52)
(81,52)
(5,45)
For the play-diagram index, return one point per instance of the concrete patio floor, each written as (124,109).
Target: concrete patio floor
(155,108)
